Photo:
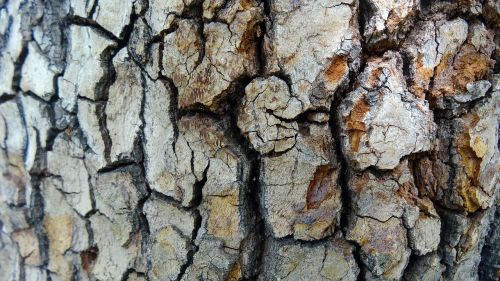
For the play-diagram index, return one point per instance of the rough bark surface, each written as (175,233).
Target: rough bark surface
(249,140)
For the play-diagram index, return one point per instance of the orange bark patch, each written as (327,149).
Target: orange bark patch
(442,77)
(374,77)
(468,193)
(355,123)
(468,184)
(470,66)
(355,139)
(337,69)
(445,62)
(321,187)
(453,74)
(423,77)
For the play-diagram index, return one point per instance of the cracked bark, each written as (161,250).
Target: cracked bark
(249,140)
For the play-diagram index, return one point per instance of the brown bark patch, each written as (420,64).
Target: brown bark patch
(360,182)
(199,89)
(234,273)
(247,4)
(321,187)
(248,39)
(393,20)
(223,221)
(88,258)
(431,175)
(315,229)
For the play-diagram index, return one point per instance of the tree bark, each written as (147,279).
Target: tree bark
(249,140)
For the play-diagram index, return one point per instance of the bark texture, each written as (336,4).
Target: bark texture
(249,140)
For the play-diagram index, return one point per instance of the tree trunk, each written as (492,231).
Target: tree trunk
(249,140)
